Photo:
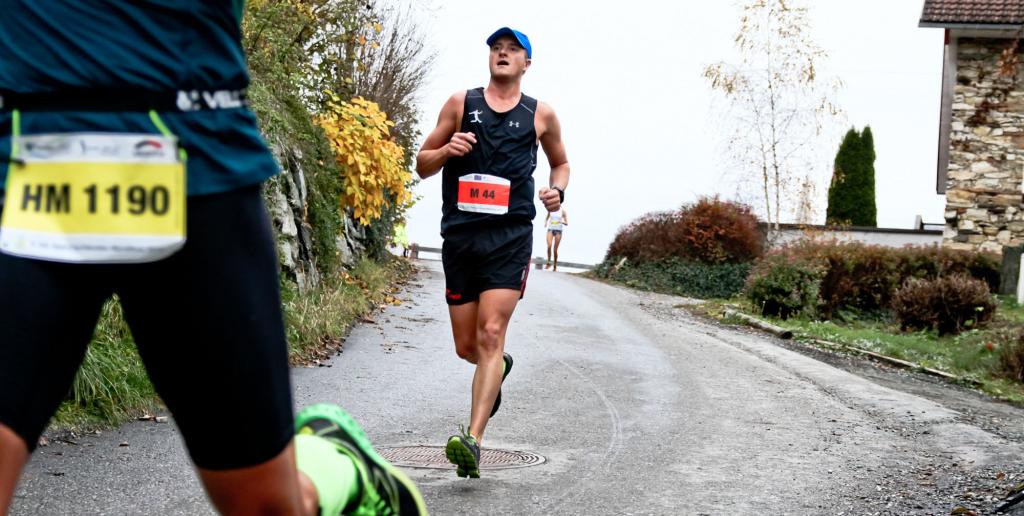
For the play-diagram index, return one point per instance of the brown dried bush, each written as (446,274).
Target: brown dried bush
(949,304)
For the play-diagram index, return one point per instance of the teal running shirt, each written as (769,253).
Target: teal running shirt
(55,46)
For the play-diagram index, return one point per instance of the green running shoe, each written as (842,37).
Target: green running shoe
(507,359)
(464,452)
(385,490)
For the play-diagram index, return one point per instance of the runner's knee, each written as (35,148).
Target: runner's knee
(465,352)
(489,335)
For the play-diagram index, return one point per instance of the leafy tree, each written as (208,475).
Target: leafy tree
(777,102)
(312,64)
(851,196)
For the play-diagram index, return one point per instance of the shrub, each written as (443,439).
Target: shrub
(714,231)
(863,278)
(677,277)
(644,240)
(1011,357)
(710,231)
(373,165)
(934,261)
(949,304)
(781,286)
(858,277)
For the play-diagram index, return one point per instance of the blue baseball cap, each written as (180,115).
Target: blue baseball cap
(520,37)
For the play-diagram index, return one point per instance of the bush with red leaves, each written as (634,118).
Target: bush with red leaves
(710,231)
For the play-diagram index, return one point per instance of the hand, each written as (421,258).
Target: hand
(550,198)
(461,144)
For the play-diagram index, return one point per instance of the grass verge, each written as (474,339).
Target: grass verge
(112,387)
(973,354)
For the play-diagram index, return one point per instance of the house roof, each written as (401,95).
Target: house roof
(972,12)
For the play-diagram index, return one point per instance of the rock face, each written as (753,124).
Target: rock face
(287,198)
(984,204)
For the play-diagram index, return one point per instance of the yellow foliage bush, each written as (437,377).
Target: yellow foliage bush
(372,164)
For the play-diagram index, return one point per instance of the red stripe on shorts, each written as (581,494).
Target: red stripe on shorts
(526,275)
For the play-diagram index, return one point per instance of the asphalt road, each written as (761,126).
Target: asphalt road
(638,407)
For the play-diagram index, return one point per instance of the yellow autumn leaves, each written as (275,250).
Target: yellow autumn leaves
(372,164)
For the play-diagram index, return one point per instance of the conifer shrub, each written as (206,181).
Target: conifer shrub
(851,196)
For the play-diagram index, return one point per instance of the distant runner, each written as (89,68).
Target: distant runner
(486,139)
(401,238)
(116,119)
(555,222)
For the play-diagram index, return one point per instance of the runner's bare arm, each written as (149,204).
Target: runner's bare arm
(565,217)
(445,141)
(551,140)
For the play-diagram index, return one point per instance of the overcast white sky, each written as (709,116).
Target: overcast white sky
(638,118)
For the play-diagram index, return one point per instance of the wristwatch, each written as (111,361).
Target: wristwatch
(561,193)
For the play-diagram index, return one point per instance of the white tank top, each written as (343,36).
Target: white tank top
(555,221)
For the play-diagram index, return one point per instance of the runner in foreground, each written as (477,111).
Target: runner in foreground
(555,222)
(107,110)
(486,140)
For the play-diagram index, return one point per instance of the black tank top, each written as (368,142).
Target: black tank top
(506,146)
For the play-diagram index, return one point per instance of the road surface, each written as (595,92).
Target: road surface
(637,406)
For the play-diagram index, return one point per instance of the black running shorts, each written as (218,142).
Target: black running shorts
(207,322)
(486,258)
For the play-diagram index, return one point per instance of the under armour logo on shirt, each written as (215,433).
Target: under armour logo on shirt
(476,117)
(513,124)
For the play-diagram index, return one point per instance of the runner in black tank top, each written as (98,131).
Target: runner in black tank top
(486,140)
(507,148)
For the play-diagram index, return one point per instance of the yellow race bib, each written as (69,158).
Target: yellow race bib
(94,198)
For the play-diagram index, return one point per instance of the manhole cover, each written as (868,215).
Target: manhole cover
(433,457)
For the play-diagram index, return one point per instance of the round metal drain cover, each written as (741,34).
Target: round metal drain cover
(433,457)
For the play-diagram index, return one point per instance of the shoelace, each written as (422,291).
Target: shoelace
(466,435)
(382,483)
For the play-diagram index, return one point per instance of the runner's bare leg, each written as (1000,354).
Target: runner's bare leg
(558,240)
(273,487)
(493,315)
(13,456)
(463,319)
(547,263)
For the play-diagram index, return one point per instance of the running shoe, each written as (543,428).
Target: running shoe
(384,489)
(507,360)
(464,452)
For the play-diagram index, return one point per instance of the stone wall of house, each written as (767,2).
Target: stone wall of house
(984,205)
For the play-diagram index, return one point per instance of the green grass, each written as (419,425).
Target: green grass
(112,387)
(316,321)
(972,355)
